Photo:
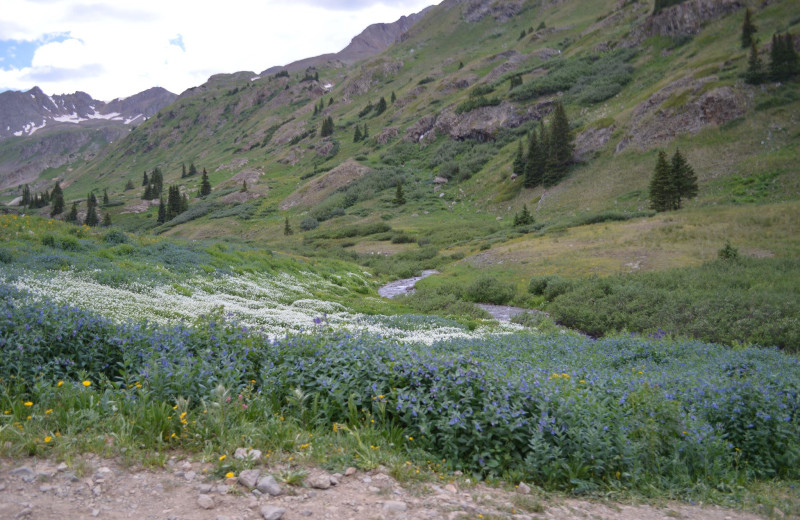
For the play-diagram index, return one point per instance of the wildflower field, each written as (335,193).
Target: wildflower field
(653,414)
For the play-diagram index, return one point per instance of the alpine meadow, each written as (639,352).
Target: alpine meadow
(189,277)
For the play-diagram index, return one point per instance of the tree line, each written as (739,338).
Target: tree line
(549,153)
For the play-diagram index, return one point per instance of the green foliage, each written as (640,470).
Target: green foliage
(477,102)
(327,127)
(660,5)
(309,223)
(380,108)
(663,191)
(748,30)
(443,300)
(524,217)
(749,300)
(755,74)
(728,253)
(487,289)
(560,147)
(287,229)
(399,197)
(205,185)
(91,211)
(784,62)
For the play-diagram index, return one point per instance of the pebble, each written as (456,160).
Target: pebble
(249,477)
(523,488)
(205,501)
(451,488)
(350,471)
(24,472)
(320,481)
(62,467)
(190,475)
(306,513)
(268,484)
(395,506)
(272,512)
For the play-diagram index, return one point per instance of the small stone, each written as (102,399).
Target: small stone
(104,471)
(2,487)
(257,492)
(240,454)
(249,477)
(337,476)
(374,489)
(311,494)
(334,481)
(320,481)
(190,475)
(24,472)
(205,501)
(451,488)
(186,466)
(46,488)
(523,488)
(395,506)
(97,491)
(223,489)
(306,513)
(254,455)
(350,471)
(272,512)
(268,484)
(205,488)
(458,473)
(95,512)
(366,479)
(62,467)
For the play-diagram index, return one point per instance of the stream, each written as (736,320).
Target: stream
(406,286)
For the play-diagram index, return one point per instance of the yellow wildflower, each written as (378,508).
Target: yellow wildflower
(48,439)
(230,474)
(222,457)
(87,383)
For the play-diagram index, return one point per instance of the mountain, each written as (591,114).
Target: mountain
(25,113)
(370,42)
(446,107)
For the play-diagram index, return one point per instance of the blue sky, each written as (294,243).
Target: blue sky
(113,49)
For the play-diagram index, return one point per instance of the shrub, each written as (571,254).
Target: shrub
(308,223)
(487,289)
(115,237)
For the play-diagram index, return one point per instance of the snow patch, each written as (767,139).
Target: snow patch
(131,120)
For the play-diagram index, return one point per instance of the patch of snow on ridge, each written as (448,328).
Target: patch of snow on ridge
(110,115)
(131,120)
(69,118)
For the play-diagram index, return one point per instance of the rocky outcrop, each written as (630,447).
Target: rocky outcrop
(662,117)
(386,135)
(316,190)
(590,141)
(371,76)
(499,10)
(685,18)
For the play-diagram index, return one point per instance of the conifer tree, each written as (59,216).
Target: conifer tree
(162,212)
(72,216)
(748,30)
(399,196)
(91,211)
(393,98)
(755,68)
(357,135)
(790,56)
(107,220)
(518,167)
(683,177)
(287,229)
(561,147)
(365,133)
(316,110)
(183,170)
(524,217)
(205,185)
(26,196)
(145,180)
(244,187)
(330,101)
(184,203)
(192,169)
(327,127)
(148,192)
(129,185)
(663,192)
(105,197)
(535,163)
(57,197)
(321,104)
(381,106)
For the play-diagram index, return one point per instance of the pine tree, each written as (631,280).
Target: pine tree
(535,163)
(57,197)
(357,135)
(145,180)
(73,213)
(524,217)
(105,197)
(26,196)
(244,187)
(162,212)
(519,161)
(287,229)
(192,169)
(755,68)
(173,202)
(683,178)
(330,101)
(365,133)
(148,192)
(381,106)
(184,203)
(399,197)
(91,211)
(183,170)
(790,56)
(748,30)
(327,127)
(205,185)
(316,110)
(662,188)
(394,97)
(561,147)
(129,185)
(107,220)
(321,104)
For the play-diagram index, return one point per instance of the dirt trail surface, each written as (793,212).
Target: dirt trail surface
(92,487)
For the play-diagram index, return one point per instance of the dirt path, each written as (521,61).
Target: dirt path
(100,488)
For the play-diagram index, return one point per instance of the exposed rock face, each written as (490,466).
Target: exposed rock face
(370,42)
(370,76)
(386,135)
(684,18)
(480,124)
(652,123)
(590,141)
(501,11)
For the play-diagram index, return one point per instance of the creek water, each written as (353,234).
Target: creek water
(406,286)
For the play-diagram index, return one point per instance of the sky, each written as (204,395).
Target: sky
(116,48)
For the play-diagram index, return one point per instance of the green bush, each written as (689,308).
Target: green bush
(487,289)
(309,223)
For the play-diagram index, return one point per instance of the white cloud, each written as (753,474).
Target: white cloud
(132,49)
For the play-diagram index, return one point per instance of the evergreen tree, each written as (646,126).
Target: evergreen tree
(522,34)
(519,161)
(316,110)
(321,104)
(26,196)
(683,178)
(162,212)
(183,170)
(381,106)
(755,68)
(287,229)
(72,216)
(393,98)
(524,217)
(105,197)
(327,127)
(748,30)
(357,135)
(561,147)
(330,101)
(157,179)
(107,220)
(192,169)
(173,202)
(790,56)
(399,197)
(57,197)
(205,185)
(145,180)
(148,192)
(91,211)
(244,187)
(365,133)
(129,185)
(663,192)
(535,163)
(184,203)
